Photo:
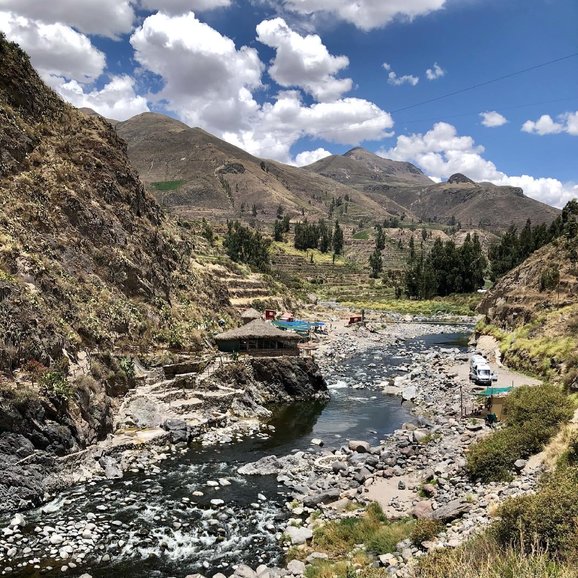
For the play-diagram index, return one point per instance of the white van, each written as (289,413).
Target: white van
(481,374)
(476,360)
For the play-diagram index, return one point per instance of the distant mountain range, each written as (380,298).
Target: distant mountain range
(197,174)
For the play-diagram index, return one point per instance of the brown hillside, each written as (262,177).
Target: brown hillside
(396,184)
(86,257)
(474,204)
(197,174)
(364,170)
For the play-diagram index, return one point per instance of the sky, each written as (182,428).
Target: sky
(488,88)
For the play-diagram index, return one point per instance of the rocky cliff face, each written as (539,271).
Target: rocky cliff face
(86,256)
(88,262)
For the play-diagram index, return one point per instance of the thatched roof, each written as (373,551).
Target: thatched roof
(257,329)
(250,314)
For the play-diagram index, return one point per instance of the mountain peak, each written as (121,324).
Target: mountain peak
(459,179)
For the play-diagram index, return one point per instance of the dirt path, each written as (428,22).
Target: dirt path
(488,347)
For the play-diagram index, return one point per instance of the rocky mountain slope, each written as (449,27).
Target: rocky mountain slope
(197,174)
(401,184)
(87,258)
(474,204)
(533,309)
(364,170)
(91,273)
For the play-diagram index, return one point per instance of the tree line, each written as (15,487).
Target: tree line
(445,269)
(319,236)
(245,245)
(514,247)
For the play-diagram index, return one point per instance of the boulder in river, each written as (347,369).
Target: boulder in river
(451,511)
(325,497)
(359,446)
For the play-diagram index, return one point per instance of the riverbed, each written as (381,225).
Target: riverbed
(195,512)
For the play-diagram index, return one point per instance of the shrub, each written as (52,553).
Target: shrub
(425,530)
(482,557)
(371,529)
(54,384)
(547,520)
(126,364)
(546,403)
(35,369)
(533,415)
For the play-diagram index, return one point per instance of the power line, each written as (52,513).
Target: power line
(485,83)
(500,108)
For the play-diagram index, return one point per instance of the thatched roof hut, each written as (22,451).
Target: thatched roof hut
(258,338)
(250,315)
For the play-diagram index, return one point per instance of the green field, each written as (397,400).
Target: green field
(167,185)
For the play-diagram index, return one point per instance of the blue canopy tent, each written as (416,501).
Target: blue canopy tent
(299,326)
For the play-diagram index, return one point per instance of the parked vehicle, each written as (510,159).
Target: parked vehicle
(480,371)
(476,360)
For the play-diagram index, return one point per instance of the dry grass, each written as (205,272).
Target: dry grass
(482,557)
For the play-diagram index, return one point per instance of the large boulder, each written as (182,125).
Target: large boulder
(298,535)
(451,511)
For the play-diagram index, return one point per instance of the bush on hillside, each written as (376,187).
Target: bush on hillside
(425,530)
(533,415)
(483,557)
(54,384)
(492,458)
(547,520)
(546,403)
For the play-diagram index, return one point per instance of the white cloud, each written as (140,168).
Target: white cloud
(435,72)
(183,6)
(395,80)
(54,49)
(116,100)
(572,123)
(308,157)
(441,152)
(104,17)
(544,125)
(366,14)
(492,119)
(567,122)
(207,81)
(277,126)
(303,61)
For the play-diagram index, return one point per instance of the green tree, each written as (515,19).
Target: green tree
(379,238)
(245,245)
(324,237)
(337,239)
(375,263)
(278,231)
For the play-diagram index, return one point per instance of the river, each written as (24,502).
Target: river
(168,523)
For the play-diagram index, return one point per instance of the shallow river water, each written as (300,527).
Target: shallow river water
(154,524)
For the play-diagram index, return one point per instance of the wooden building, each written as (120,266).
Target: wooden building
(260,339)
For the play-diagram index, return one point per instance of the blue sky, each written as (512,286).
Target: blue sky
(296,80)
